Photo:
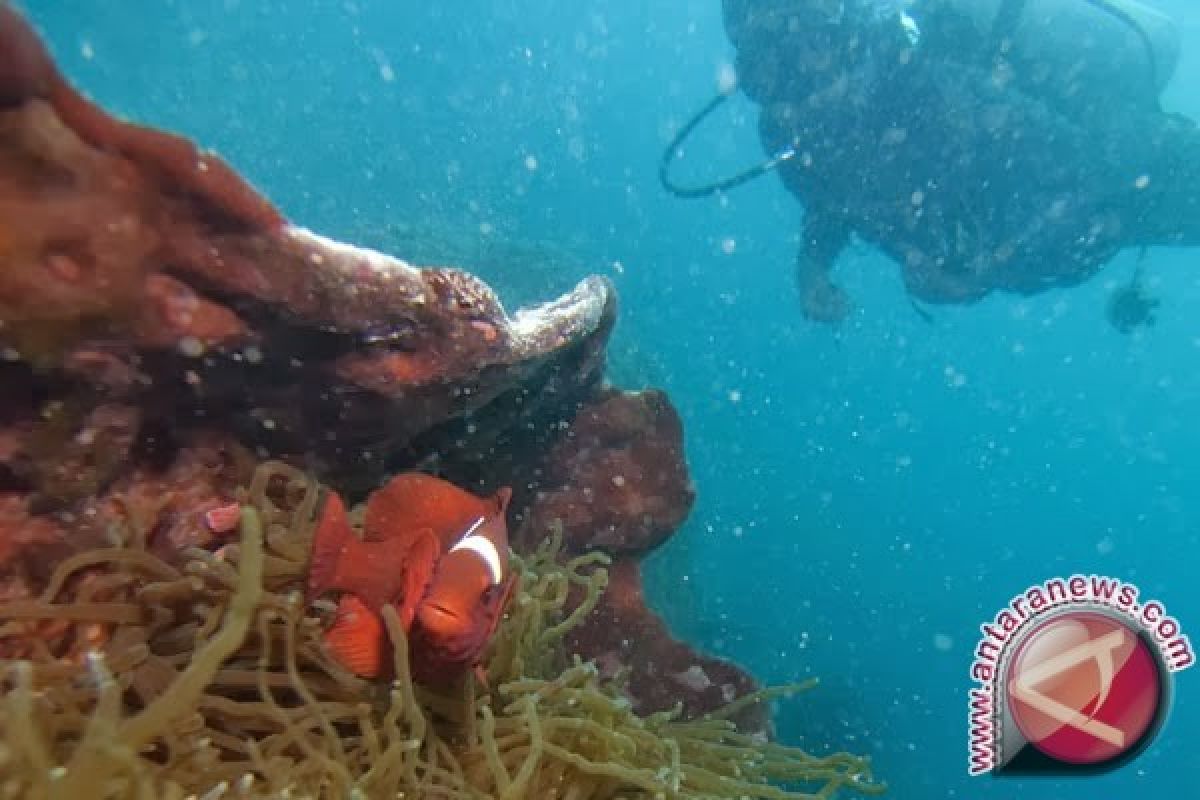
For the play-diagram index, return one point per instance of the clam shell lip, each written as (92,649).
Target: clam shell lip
(358,271)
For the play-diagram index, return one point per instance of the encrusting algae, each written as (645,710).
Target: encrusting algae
(208,680)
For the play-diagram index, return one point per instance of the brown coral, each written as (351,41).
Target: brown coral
(623,633)
(161,326)
(133,261)
(617,480)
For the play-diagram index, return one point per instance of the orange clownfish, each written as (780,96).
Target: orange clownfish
(437,553)
(464,603)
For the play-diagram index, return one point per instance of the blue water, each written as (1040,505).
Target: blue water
(867,497)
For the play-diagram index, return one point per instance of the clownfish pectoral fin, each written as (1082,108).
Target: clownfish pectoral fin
(420,562)
(481,677)
(374,571)
(501,498)
(331,541)
(356,638)
(495,611)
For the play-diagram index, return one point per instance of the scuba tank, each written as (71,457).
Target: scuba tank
(1075,54)
(1080,57)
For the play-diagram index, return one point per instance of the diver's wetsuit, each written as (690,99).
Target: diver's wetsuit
(968,182)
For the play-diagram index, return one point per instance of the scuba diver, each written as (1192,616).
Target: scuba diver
(1130,306)
(1012,145)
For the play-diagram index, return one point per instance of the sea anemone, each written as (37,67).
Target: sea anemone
(208,679)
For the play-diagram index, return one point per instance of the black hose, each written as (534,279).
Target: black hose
(1007,18)
(1123,16)
(704,190)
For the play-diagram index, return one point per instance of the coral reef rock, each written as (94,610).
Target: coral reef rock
(622,632)
(617,480)
(135,263)
(163,328)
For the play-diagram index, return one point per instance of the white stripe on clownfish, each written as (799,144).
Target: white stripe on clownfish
(482,547)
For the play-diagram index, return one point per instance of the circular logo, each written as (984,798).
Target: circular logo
(1085,688)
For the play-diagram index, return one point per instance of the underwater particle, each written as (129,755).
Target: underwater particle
(693,678)
(618,480)
(726,78)
(63,267)
(954,378)
(387,73)
(735,396)
(1142,181)
(531,163)
(86,50)
(191,347)
(728,245)
(10,354)
(1106,545)
(252,354)
(894,137)
(943,642)
(576,148)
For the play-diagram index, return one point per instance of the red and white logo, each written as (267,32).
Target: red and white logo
(1074,677)
(1083,687)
